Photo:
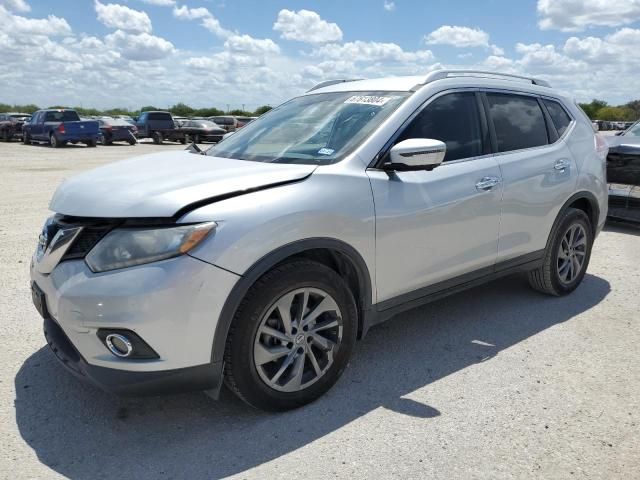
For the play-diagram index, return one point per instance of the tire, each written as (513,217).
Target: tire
(295,280)
(53,141)
(157,138)
(561,271)
(91,143)
(132,142)
(105,141)
(183,140)
(6,135)
(26,138)
(196,139)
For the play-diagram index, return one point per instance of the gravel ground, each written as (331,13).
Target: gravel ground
(497,382)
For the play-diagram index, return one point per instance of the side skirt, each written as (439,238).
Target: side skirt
(407,301)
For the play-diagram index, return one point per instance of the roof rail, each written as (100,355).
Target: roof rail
(442,74)
(327,83)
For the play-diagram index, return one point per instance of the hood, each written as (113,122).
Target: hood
(618,140)
(161,184)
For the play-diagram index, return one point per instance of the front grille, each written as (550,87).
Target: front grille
(85,242)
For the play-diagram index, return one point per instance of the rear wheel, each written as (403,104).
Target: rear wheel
(567,255)
(92,143)
(26,138)
(157,138)
(105,140)
(292,336)
(53,141)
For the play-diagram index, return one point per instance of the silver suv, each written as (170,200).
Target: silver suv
(262,261)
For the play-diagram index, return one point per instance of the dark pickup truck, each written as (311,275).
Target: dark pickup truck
(159,126)
(57,127)
(623,174)
(11,125)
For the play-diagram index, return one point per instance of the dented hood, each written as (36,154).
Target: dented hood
(163,184)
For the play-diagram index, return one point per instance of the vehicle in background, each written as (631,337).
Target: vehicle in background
(596,126)
(623,174)
(11,125)
(116,130)
(201,131)
(159,126)
(242,121)
(228,122)
(57,127)
(178,120)
(126,118)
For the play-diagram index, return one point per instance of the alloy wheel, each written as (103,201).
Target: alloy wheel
(297,339)
(572,253)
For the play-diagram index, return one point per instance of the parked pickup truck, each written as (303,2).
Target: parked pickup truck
(11,125)
(159,126)
(59,126)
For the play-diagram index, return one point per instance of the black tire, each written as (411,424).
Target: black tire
(26,138)
(241,374)
(546,279)
(132,142)
(91,143)
(183,140)
(157,138)
(53,141)
(196,138)
(105,140)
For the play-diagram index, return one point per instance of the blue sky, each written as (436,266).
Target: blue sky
(216,52)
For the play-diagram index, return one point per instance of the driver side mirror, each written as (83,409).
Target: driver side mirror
(416,154)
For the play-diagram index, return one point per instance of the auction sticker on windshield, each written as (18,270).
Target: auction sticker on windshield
(368,100)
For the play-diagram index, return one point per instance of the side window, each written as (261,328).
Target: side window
(453,119)
(558,115)
(518,121)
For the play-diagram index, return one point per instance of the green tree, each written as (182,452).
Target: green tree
(149,108)
(181,110)
(592,108)
(262,110)
(634,105)
(615,113)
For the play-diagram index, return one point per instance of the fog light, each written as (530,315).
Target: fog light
(119,345)
(126,344)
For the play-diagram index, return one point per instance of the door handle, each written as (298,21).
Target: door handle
(561,165)
(487,183)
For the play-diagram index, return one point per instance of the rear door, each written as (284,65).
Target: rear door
(538,170)
(432,226)
(36,125)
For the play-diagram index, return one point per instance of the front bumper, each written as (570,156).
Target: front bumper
(173,305)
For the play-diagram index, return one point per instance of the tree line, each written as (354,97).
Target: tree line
(179,109)
(601,110)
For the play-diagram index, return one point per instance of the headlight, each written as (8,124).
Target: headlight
(124,247)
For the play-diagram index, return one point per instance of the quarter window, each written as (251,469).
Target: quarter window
(518,121)
(558,115)
(453,119)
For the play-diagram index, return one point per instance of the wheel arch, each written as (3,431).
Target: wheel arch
(583,200)
(336,254)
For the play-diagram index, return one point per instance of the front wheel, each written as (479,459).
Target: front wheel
(292,336)
(566,257)
(157,138)
(26,138)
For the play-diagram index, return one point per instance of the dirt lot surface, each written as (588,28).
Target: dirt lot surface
(496,382)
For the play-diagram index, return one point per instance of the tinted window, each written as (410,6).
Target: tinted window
(452,119)
(61,116)
(159,116)
(558,115)
(518,121)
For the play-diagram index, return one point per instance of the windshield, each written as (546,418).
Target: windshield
(315,129)
(61,116)
(634,131)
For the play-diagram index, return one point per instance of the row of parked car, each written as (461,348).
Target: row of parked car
(57,127)
(603,125)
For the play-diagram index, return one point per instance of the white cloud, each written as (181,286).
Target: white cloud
(208,21)
(161,3)
(16,5)
(458,37)
(117,16)
(251,46)
(576,15)
(360,51)
(139,46)
(306,26)
(389,5)
(23,26)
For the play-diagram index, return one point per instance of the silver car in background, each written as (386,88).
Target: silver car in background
(262,262)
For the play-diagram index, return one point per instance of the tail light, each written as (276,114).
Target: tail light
(602,148)
(61,129)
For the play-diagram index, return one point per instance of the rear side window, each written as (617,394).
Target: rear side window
(159,116)
(558,115)
(518,121)
(453,119)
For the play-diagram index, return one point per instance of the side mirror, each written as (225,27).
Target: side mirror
(416,154)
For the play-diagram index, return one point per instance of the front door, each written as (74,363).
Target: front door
(437,225)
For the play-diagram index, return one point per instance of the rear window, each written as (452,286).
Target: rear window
(223,121)
(558,115)
(160,116)
(518,121)
(61,116)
